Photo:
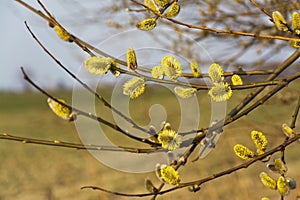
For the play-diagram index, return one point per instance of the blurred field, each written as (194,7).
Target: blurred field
(29,171)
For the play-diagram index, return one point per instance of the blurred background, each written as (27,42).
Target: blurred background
(41,172)
(96,21)
(20,49)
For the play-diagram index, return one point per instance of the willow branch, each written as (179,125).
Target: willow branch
(89,115)
(219,31)
(231,118)
(278,148)
(209,178)
(261,8)
(207,87)
(83,45)
(233,32)
(69,145)
(240,72)
(280,68)
(295,114)
(116,193)
(80,43)
(263,99)
(147,78)
(98,96)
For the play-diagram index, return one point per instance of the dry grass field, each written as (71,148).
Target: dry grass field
(29,171)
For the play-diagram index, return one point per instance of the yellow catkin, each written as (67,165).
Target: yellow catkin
(62,34)
(98,65)
(236,80)
(59,109)
(220,92)
(169,175)
(243,152)
(279,21)
(171,67)
(131,59)
(195,69)
(282,186)
(150,4)
(169,139)
(134,87)
(215,73)
(268,181)
(147,24)
(296,22)
(161,3)
(173,10)
(184,92)
(287,131)
(157,72)
(295,44)
(280,166)
(259,140)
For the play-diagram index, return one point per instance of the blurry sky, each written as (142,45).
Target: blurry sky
(19,49)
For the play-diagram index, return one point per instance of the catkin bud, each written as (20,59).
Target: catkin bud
(279,21)
(296,22)
(147,24)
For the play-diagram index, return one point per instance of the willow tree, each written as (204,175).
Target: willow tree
(241,53)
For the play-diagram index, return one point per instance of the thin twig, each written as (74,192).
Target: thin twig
(261,8)
(89,115)
(263,99)
(116,193)
(98,96)
(59,143)
(280,68)
(295,114)
(83,45)
(231,118)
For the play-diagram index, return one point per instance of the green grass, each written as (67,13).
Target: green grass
(31,171)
